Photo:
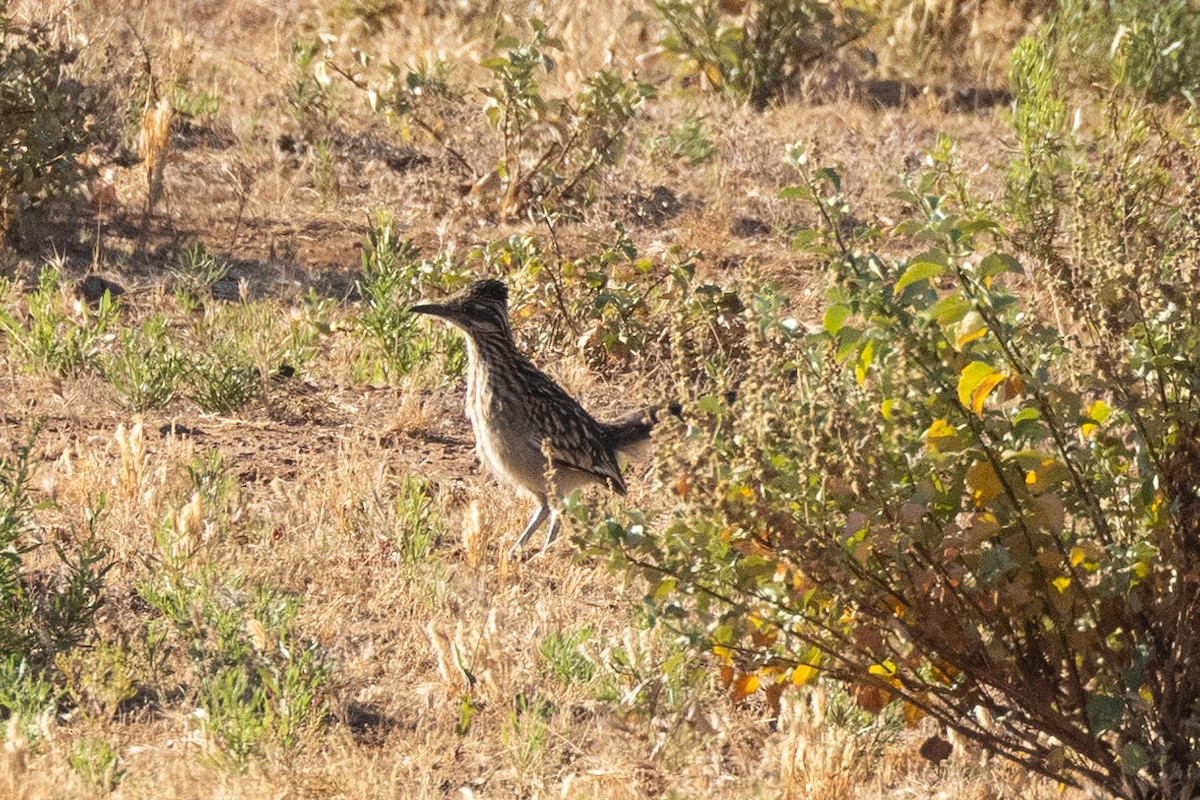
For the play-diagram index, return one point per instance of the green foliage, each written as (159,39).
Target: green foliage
(942,501)
(654,676)
(393,279)
(1036,177)
(408,89)
(26,694)
(146,369)
(46,612)
(563,653)
(1152,47)
(98,679)
(256,681)
(40,618)
(195,273)
(324,178)
(554,150)
(524,733)
(312,98)
(689,141)
(222,380)
(234,346)
(57,332)
(199,104)
(419,520)
(211,478)
(96,762)
(757,54)
(43,119)
(610,303)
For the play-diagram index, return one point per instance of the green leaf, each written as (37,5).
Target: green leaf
(950,309)
(996,263)
(835,318)
(1133,758)
(795,193)
(1104,713)
(805,238)
(919,270)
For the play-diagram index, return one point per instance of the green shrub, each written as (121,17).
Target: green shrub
(97,764)
(553,149)
(1150,46)
(222,380)
(195,272)
(57,332)
(563,654)
(312,101)
(393,279)
(257,681)
(43,119)
(234,347)
(610,304)
(689,141)
(44,612)
(945,500)
(758,54)
(146,369)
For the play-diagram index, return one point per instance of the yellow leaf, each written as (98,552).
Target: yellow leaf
(1061,583)
(983,390)
(744,685)
(1046,475)
(1097,414)
(864,362)
(975,383)
(1086,553)
(942,436)
(983,482)
(940,428)
(1099,411)
(912,715)
(886,671)
(804,673)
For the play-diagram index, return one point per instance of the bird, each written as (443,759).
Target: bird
(529,432)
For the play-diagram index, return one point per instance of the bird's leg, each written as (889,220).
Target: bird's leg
(555,521)
(535,522)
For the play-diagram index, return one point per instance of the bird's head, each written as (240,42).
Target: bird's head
(480,309)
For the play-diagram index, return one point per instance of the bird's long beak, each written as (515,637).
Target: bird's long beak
(432,309)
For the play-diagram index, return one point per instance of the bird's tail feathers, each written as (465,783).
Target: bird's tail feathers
(630,433)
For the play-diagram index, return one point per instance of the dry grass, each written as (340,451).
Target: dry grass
(314,512)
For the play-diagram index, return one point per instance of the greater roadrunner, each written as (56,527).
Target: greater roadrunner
(528,431)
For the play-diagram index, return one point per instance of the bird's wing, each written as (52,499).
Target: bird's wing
(576,441)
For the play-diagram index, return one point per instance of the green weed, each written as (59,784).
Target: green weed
(256,681)
(393,279)
(58,333)
(562,652)
(96,762)
(757,55)
(146,369)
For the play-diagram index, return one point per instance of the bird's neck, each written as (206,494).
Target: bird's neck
(489,357)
